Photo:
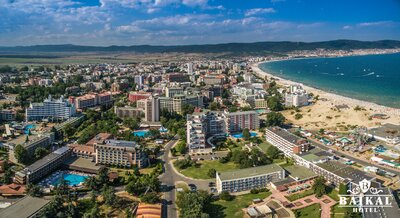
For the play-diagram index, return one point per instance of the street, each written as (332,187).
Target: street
(170,177)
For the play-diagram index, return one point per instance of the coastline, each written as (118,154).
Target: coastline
(334,99)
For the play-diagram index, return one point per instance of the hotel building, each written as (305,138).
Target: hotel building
(7,115)
(288,143)
(237,121)
(91,100)
(59,109)
(43,167)
(127,112)
(249,178)
(152,109)
(317,160)
(202,125)
(120,153)
(135,96)
(34,141)
(172,91)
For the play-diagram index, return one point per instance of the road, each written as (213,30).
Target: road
(170,177)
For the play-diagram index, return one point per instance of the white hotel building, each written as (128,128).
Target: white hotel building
(59,109)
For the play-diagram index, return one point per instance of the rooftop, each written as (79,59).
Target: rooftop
(345,171)
(48,158)
(249,172)
(25,207)
(285,134)
(386,130)
(299,172)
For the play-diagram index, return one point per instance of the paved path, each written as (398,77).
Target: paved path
(325,207)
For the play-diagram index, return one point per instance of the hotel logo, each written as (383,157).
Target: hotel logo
(365,198)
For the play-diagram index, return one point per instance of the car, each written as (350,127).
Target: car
(213,190)
(192,187)
(211,184)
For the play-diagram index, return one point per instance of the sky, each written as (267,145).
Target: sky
(183,22)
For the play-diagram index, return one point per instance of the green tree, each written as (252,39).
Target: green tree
(246,134)
(103,176)
(40,152)
(34,190)
(192,204)
(319,187)
(109,195)
(20,153)
(226,196)
(212,173)
(275,119)
(7,177)
(90,182)
(342,189)
(151,198)
(274,103)
(273,152)
(181,147)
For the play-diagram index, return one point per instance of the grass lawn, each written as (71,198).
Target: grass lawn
(339,211)
(302,194)
(308,212)
(231,209)
(333,193)
(264,146)
(201,169)
(122,172)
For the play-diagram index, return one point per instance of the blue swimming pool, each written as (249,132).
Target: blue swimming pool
(141,133)
(28,128)
(71,179)
(240,135)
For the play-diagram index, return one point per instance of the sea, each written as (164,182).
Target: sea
(372,78)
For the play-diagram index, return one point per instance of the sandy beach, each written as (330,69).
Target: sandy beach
(328,112)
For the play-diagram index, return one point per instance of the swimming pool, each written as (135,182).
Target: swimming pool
(28,128)
(240,135)
(71,179)
(141,133)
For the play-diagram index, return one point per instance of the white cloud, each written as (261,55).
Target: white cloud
(378,23)
(347,27)
(257,11)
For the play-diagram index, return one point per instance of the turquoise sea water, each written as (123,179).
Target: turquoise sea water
(373,78)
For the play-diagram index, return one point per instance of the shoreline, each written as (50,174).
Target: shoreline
(335,99)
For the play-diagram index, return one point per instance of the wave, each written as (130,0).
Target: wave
(369,74)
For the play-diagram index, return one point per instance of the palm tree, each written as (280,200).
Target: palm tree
(90,182)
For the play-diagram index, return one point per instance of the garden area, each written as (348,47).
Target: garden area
(200,169)
(311,211)
(233,208)
(300,195)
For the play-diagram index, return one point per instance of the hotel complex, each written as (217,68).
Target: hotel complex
(238,121)
(319,161)
(120,153)
(59,109)
(248,179)
(43,167)
(91,100)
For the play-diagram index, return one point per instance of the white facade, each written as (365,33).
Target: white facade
(53,109)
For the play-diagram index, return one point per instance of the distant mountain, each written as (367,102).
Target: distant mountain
(239,48)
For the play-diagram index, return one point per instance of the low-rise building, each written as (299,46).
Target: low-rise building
(25,207)
(43,167)
(249,178)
